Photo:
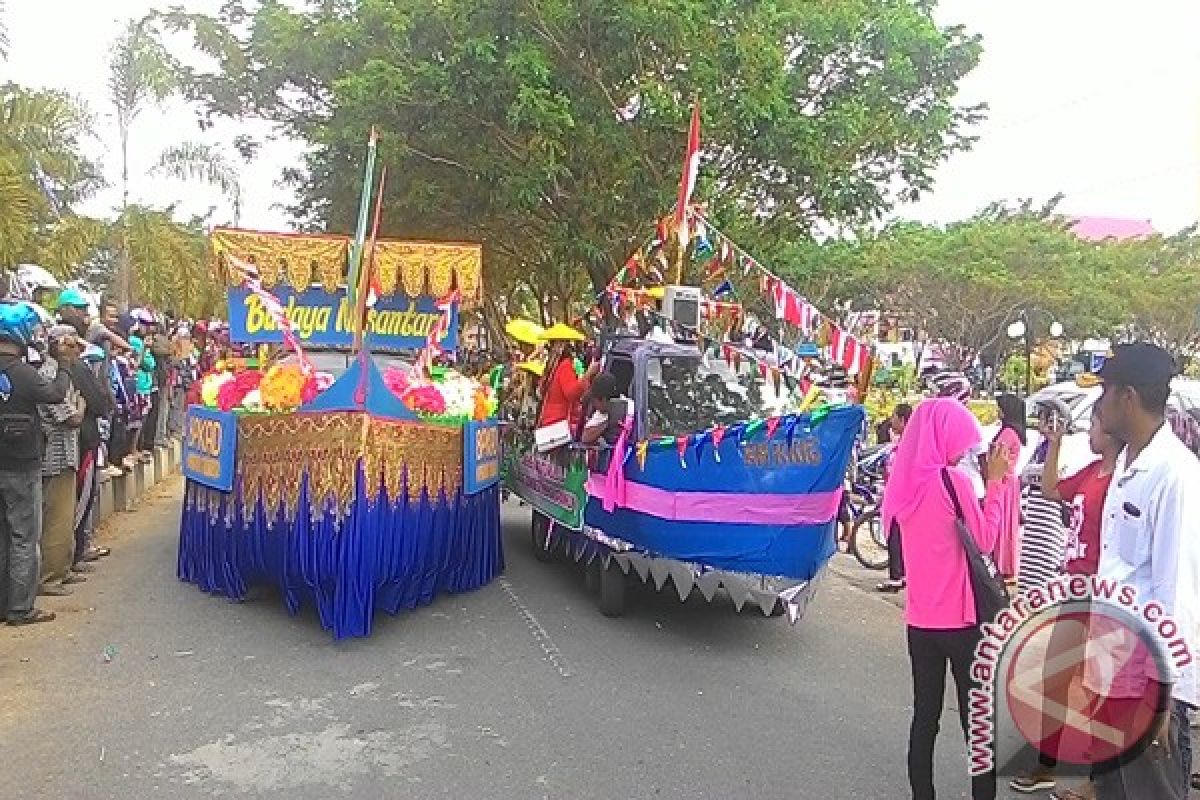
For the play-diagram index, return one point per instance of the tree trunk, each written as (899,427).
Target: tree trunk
(124,267)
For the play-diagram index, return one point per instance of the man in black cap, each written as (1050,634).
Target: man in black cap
(1150,540)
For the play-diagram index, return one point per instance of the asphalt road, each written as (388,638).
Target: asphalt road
(147,688)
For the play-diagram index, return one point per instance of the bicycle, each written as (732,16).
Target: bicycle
(864,498)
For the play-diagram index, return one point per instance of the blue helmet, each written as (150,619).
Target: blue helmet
(18,321)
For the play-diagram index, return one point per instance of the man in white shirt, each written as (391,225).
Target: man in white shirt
(1150,540)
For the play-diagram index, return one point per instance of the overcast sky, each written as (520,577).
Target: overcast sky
(1098,99)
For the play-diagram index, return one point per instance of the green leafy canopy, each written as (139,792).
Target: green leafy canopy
(553,130)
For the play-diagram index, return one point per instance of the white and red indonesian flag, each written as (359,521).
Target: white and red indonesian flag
(248,273)
(374,290)
(792,308)
(242,269)
(442,327)
(848,351)
(691,168)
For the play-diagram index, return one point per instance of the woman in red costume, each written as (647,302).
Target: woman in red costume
(564,389)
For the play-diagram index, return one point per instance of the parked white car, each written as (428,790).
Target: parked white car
(1079,401)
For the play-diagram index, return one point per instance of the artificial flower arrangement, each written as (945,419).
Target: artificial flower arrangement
(283,387)
(449,398)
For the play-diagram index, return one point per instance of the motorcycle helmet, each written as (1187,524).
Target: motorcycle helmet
(19,322)
(950,384)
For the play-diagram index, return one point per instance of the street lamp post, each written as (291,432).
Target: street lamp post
(1021,329)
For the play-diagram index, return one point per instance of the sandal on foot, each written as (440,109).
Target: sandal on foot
(96,553)
(890,587)
(1032,782)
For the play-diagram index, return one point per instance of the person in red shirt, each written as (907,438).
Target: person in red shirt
(1084,492)
(565,389)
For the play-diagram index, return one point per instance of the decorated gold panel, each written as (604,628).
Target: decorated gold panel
(275,453)
(301,260)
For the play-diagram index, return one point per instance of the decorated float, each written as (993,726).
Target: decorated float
(725,468)
(718,481)
(350,472)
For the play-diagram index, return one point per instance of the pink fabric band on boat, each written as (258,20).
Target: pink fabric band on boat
(736,507)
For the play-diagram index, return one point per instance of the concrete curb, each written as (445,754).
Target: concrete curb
(125,492)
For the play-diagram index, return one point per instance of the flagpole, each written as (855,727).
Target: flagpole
(687,183)
(360,309)
(360,234)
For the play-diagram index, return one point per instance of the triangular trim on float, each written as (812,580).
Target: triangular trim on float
(380,402)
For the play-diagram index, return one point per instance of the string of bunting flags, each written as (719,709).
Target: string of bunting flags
(790,306)
(649,262)
(785,426)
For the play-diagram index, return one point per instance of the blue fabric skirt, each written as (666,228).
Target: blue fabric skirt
(391,554)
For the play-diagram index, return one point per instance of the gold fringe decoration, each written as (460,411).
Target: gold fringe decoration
(428,457)
(301,259)
(276,452)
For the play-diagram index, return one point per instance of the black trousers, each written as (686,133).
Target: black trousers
(1160,772)
(118,440)
(150,424)
(930,651)
(895,555)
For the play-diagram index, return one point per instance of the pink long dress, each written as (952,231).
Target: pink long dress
(1008,545)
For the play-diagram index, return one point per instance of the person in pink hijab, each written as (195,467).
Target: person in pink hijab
(1012,437)
(939,607)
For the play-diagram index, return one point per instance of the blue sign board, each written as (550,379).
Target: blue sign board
(210,447)
(481,455)
(319,317)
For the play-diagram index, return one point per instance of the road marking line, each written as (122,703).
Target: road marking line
(549,649)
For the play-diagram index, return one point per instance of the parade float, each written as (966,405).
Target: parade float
(371,489)
(726,466)
(717,481)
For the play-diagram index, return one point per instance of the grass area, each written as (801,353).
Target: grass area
(881,403)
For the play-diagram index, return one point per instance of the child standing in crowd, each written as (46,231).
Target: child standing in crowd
(1011,438)
(1044,529)
(183,375)
(143,366)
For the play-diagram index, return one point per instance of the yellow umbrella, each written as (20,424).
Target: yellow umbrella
(563,333)
(536,367)
(524,331)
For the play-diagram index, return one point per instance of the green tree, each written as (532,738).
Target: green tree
(963,283)
(142,74)
(43,174)
(172,260)
(553,130)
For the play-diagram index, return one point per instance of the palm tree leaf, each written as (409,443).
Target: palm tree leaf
(3,33)
(196,161)
(18,207)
